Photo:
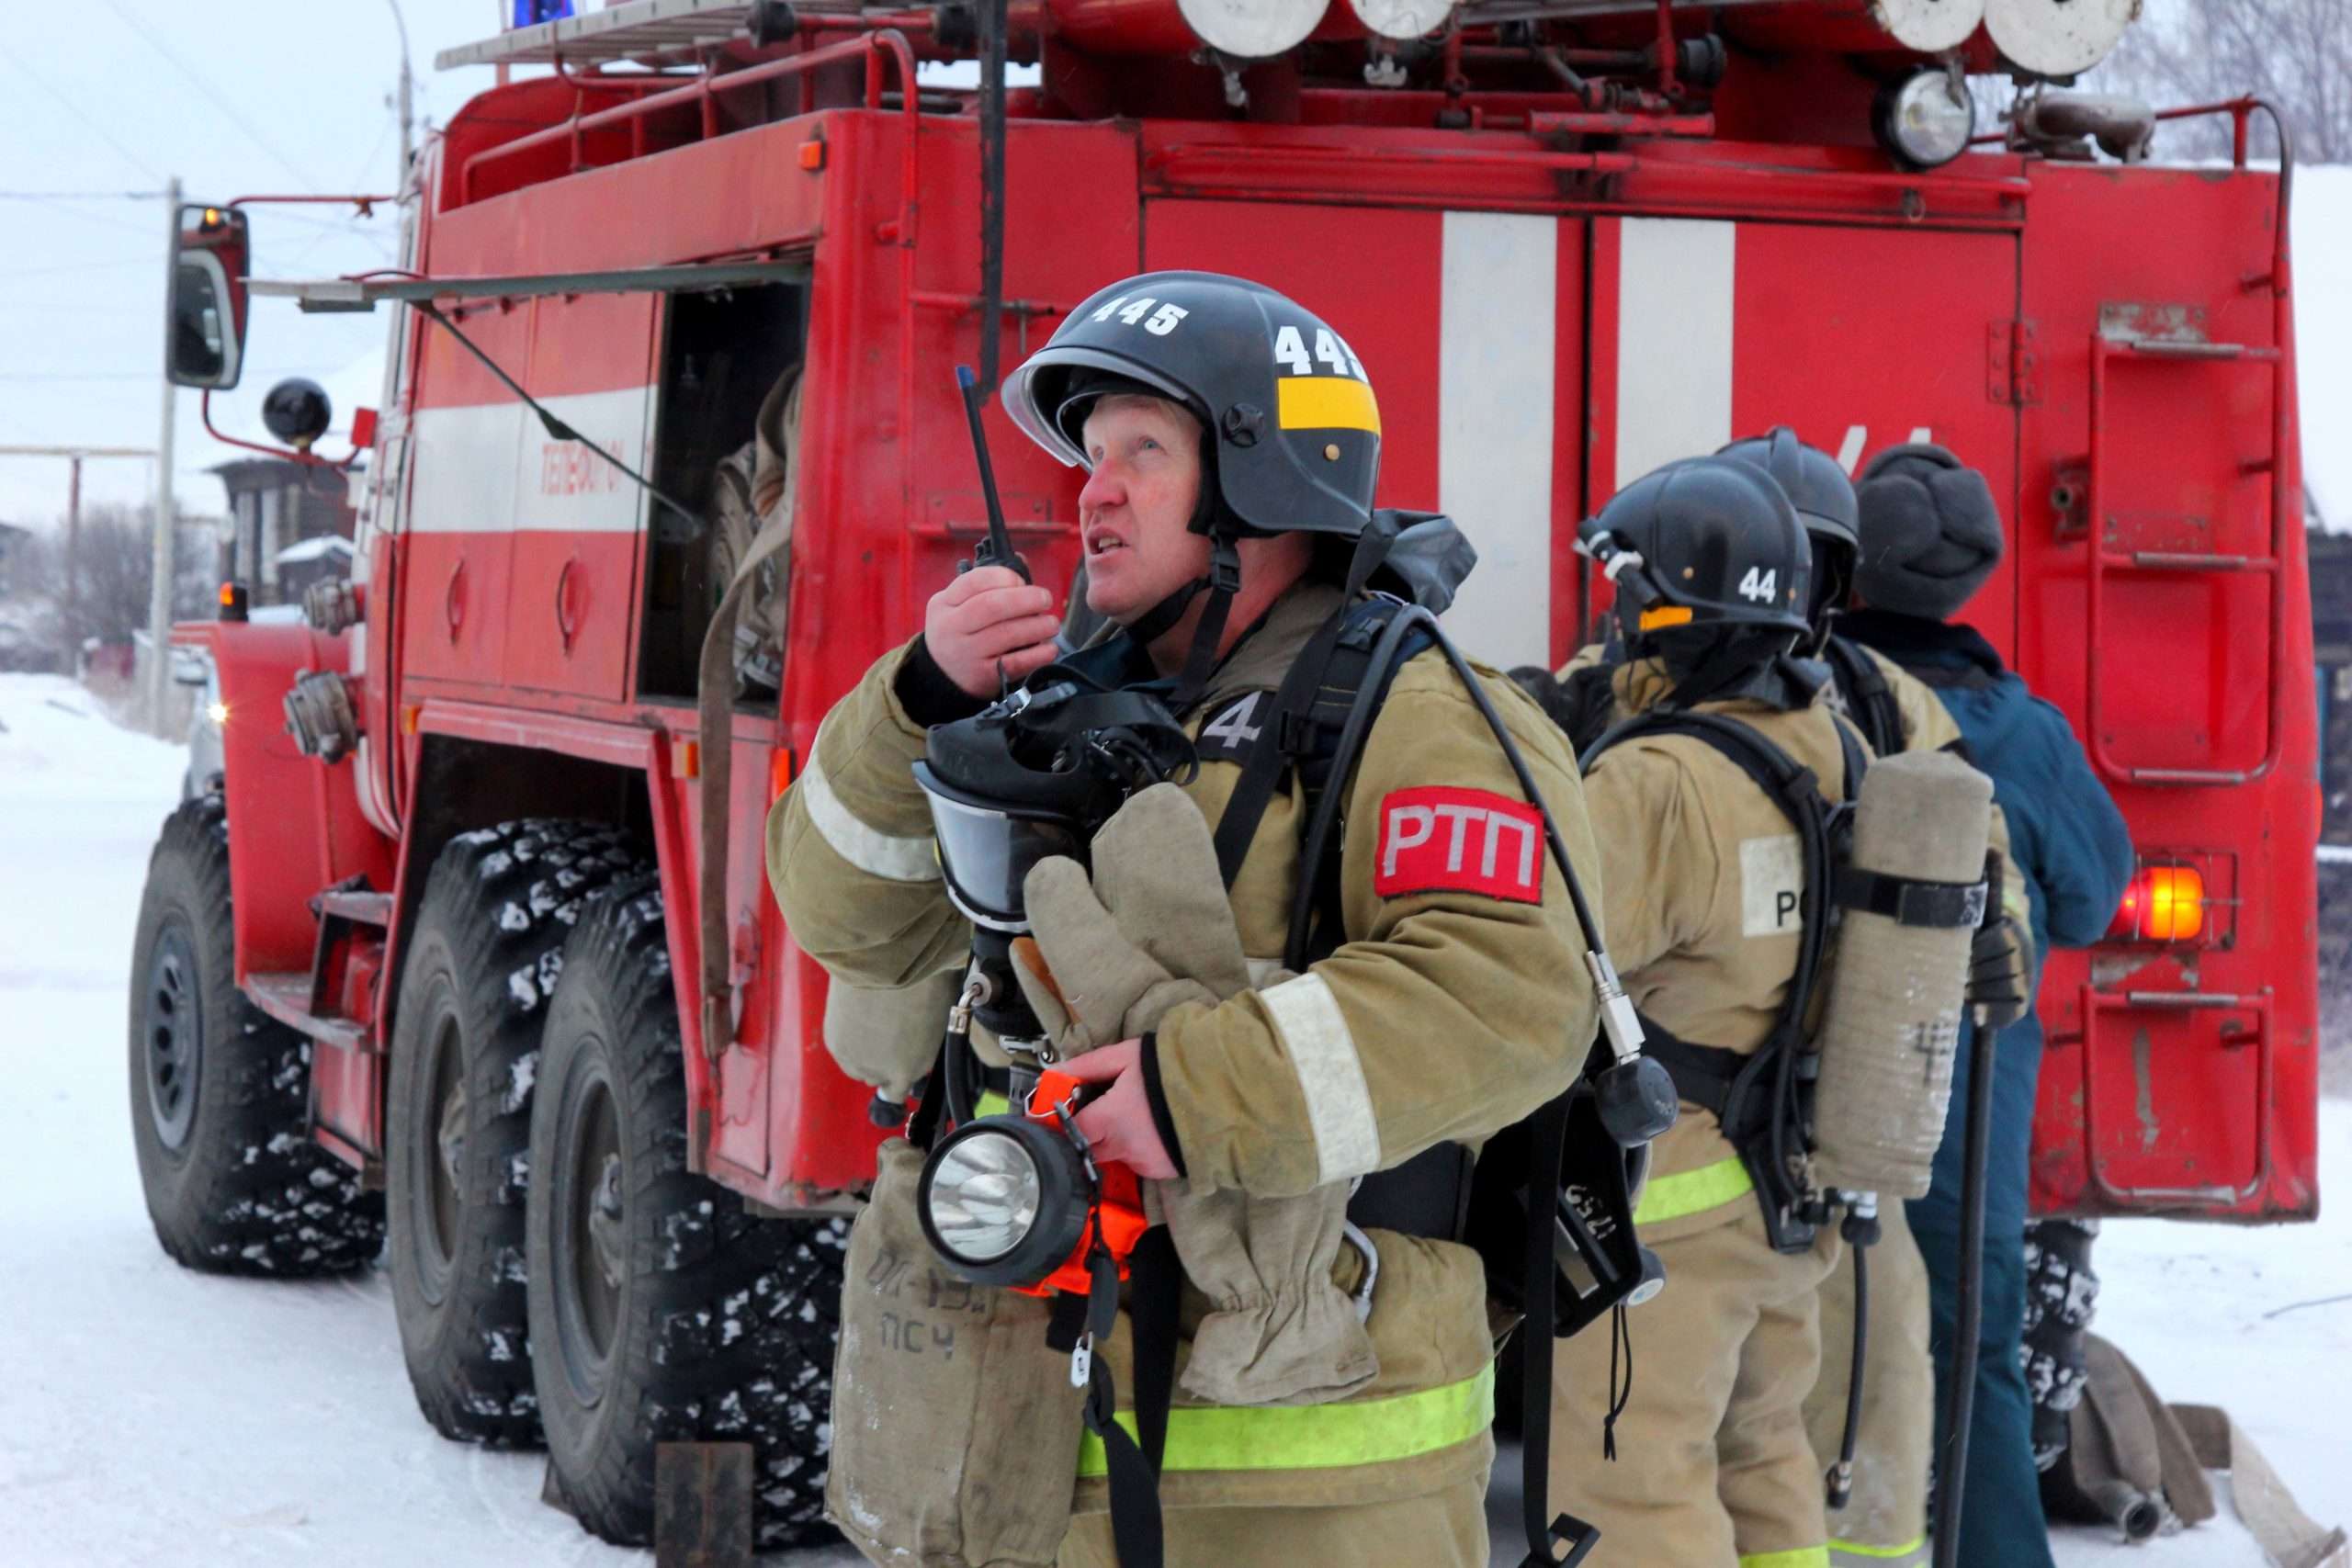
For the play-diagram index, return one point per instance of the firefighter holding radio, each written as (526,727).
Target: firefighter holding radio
(1243,900)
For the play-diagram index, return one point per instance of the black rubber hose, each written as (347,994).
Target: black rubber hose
(1841,1474)
(1952,1474)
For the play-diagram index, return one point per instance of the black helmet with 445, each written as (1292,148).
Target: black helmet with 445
(1291,430)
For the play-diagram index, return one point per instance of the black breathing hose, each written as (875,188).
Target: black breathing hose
(1841,1474)
(1952,1474)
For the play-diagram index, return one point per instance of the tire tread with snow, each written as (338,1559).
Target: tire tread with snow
(245,1190)
(480,963)
(718,1326)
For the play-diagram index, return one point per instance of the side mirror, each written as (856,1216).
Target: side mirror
(205,341)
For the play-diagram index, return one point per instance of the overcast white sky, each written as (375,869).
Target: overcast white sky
(235,97)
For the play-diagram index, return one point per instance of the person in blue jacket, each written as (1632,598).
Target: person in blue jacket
(1930,536)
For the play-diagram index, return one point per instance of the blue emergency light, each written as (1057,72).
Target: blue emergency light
(529,12)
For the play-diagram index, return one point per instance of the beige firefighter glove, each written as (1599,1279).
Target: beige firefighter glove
(1152,929)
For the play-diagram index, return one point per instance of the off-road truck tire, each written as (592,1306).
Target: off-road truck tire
(220,1091)
(479,966)
(661,1310)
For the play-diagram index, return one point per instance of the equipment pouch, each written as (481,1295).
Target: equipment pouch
(956,1428)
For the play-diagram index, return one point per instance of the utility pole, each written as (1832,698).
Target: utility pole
(73,562)
(159,592)
(75,456)
(408,82)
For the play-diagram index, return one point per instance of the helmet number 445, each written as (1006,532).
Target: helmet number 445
(1760,584)
(1160,322)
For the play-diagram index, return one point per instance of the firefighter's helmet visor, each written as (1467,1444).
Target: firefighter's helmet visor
(1033,393)
(986,851)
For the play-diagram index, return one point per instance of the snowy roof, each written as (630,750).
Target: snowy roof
(314,549)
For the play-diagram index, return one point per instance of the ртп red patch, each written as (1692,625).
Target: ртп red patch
(1437,839)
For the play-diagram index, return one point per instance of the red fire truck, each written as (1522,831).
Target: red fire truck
(475,944)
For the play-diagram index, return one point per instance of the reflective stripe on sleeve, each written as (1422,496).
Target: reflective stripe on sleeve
(1316,1436)
(1323,1054)
(875,852)
(1688,1191)
(1802,1557)
(1851,1553)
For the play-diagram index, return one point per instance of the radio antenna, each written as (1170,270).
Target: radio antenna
(997,549)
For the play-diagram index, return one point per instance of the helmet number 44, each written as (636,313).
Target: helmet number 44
(1158,324)
(1760,584)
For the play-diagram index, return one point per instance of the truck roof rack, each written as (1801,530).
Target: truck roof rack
(639,30)
(336,295)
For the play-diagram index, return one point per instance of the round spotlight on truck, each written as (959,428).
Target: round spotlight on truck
(1402,20)
(1926,119)
(1004,1199)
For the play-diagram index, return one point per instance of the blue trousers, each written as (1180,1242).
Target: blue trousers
(2001,1522)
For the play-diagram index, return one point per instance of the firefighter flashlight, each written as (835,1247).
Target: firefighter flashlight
(1018,1200)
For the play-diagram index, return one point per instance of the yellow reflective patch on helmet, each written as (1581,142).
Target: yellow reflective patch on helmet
(1326,403)
(1664,615)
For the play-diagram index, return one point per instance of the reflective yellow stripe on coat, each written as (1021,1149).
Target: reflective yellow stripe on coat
(1688,1191)
(1316,1436)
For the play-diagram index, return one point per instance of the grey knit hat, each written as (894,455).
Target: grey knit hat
(1931,534)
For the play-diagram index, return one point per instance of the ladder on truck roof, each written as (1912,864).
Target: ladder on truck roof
(650,30)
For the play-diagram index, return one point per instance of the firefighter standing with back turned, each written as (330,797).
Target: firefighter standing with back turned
(1884,1517)
(1712,1464)
(1932,536)
(1231,444)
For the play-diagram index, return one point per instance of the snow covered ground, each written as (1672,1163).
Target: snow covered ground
(153,1415)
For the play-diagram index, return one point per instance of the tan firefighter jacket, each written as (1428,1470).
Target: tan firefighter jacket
(1703,870)
(1457,1004)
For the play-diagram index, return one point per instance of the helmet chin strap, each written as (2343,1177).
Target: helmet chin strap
(1222,582)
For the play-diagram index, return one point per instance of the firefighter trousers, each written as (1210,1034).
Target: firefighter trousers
(1446,1528)
(1884,1523)
(1712,1467)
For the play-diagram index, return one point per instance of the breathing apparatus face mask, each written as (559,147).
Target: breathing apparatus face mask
(1034,775)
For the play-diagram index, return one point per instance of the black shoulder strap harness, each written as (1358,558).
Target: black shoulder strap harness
(1763,1100)
(1329,691)
(1870,701)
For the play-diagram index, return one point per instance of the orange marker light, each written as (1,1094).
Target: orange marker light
(2164,903)
(812,155)
(685,760)
(779,773)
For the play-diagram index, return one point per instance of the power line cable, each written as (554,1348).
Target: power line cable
(227,110)
(79,216)
(156,262)
(92,126)
(81,196)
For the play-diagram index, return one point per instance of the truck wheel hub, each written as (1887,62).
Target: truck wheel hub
(175,1034)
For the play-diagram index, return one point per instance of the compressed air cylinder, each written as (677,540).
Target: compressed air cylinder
(1893,1020)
